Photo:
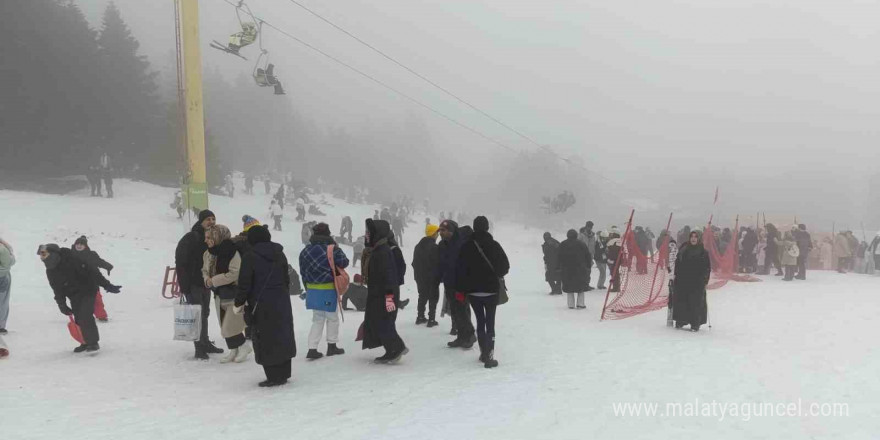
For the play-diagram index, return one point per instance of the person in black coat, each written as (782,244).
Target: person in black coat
(771,252)
(480,266)
(188,262)
(379,272)
(805,246)
(81,246)
(426,268)
(551,267)
(71,277)
(575,264)
(263,297)
(692,271)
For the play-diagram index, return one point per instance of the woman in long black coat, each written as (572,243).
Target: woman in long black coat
(575,263)
(379,272)
(692,271)
(263,285)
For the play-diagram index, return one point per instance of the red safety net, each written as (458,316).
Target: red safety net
(643,279)
(724,266)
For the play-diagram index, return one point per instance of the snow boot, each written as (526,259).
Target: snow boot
(469,344)
(271,383)
(201,354)
(490,361)
(396,357)
(421,320)
(80,349)
(333,350)
(432,323)
(314,354)
(210,348)
(92,348)
(453,332)
(483,350)
(402,304)
(230,356)
(679,325)
(243,352)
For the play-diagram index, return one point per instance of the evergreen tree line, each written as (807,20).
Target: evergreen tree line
(72,92)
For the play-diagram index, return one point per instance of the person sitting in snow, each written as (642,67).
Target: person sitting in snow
(81,246)
(72,278)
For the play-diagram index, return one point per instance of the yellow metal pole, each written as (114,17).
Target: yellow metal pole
(196,187)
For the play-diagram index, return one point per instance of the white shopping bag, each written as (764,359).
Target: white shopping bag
(187,321)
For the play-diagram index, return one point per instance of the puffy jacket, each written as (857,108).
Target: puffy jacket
(73,277)
(473,272)
(188,259)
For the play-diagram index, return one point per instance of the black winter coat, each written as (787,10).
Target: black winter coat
(575,263)
(551,259)
(73,277)
(188,258)
(263,284)
(93,259)
(426,262)
(692,271)
(449,251)
(473,273)
(383,280)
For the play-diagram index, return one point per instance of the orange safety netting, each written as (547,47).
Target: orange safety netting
(724,266)
(643,279)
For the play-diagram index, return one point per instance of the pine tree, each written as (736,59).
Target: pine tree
(134,122)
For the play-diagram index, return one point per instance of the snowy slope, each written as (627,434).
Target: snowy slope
(560,371)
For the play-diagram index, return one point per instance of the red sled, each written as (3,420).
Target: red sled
(75,331)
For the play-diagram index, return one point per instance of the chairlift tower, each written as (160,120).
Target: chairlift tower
(189,60)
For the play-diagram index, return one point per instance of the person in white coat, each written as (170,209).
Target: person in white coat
(222,263)
(276,212)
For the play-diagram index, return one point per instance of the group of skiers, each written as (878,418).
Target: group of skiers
(248,276)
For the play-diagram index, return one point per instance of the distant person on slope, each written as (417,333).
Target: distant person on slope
(188,262)
(220,270)
(81,246)
(71,277)
(550,248)
(575,264)
(692,272)
(276,212)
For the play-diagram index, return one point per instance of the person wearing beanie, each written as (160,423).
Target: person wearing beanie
(480,270)
(450,248)
(7,260)
(575,264)
(321,295)
(264,299)
(550,248)
(71,277)
(248,222)
(426,268)
(81,246)
(222,263)
(188,262)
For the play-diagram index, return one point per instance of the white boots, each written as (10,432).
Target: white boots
(239,354)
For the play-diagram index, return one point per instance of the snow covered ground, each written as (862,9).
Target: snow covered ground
(561,371)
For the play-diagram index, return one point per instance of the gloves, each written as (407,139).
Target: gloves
(389,303)
(64,309)
(113,289)
(238,310)
(459,297)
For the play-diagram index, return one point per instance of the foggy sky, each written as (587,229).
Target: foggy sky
(776,102)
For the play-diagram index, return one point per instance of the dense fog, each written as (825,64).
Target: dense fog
(626,104)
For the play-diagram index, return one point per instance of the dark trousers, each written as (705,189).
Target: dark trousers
(771,258)
(484,310)
(461,316)
(789,272)
(279,372)
(83,306)
(108,183)
(842,264)
(235,341)
(202,296)
(802,265)
(429,295)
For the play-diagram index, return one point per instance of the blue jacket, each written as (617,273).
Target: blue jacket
(313,265)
